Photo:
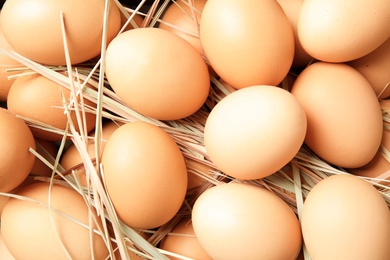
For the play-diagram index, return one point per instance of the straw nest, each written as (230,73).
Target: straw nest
(292,183)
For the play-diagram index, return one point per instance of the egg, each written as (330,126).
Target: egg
(4,198)
(247,42)
(338,124)
(375,67)
(16,160)
(379,165)
(345,217)
(44,233)
(145,174)
(292,9)
(255,131)
(198,171)
(72,160)
(4,252)
(40,22)
(6,63)
(241,221)
(180,83)
(340,31)
(182,241)
(179,19)
(38,98)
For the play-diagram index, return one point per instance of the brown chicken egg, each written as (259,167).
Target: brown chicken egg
(343,113)
(254,131)
(33,28)
(179,19)
(16,160)
(4,252)
(345,217)
(32,230)
(72,160)
(292,9)
(241,221)
(6,63)
(182,240)
(340,31)
(247,42)
(375,67)
(157,73)
(378,168)
(145,174)
(40,99)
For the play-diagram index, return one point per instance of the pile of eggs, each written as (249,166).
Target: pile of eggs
(287,74)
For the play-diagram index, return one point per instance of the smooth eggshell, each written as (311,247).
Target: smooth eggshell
(339,31)
(247,42)
(254,131)
(36,230)
(292,9)
(33,28)
(72,160)
(379,166)
(6,63)
(179,19)
(145,174)
(4,252)
(345,217)
(241,221)
(16,160)
(343,113)
(38,98)
(157,73)
(182,240)
(375,67)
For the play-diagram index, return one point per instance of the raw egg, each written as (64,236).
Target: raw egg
(145,174)
(345,217)
(343,113)
(247,42)
(183,19)
(340,31)
(38,98)
(182,240)
(157,73)
(16,160)
(375,67)
(33,28)
(241,221)
(255,131)
(31,230)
